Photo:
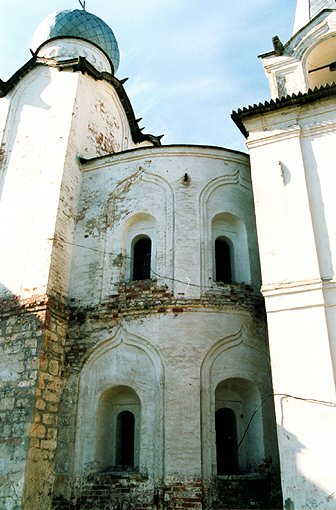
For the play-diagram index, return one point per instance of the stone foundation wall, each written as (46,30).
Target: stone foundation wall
(21,337)
(43,430)
(133,492)
(181,493)
(119,492)
(43,347)
(31,357)
(98,491)
(137,305)
(247,492)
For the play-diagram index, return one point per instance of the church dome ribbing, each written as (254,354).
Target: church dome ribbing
(78,24)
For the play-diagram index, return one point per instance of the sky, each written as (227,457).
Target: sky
(189,62)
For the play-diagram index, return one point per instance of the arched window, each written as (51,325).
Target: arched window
(321,63)
(223,260)
(226,441)
(230,250)
(125,439)
(142,250)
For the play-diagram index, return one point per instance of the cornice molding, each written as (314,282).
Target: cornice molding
(199,151)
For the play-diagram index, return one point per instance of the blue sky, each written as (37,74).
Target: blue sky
(189,62)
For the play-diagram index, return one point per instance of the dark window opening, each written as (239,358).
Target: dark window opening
(226,441)
(142,259)
(125,439)
(223,261)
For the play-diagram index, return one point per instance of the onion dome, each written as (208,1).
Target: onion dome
(78,24)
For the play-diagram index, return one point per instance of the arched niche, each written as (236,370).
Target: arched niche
(320,63)
(122,373)
(141,204)
(234,375)
(238,442)
(232,263)
(118,430)
(227,210)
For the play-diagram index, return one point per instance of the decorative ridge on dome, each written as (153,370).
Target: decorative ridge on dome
(79,24)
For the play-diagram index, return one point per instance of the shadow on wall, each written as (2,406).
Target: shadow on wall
(317,198)
(308,495)
(23,96)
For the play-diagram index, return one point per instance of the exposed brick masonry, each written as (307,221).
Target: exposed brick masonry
(147,297)
(33,338)
(134,299)
(33,333)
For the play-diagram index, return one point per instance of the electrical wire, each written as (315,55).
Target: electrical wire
(121,255)
(283,395)
(272,395)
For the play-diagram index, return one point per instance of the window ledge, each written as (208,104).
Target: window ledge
(242,476)
(123,474)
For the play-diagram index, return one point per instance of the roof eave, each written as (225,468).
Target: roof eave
(279,103)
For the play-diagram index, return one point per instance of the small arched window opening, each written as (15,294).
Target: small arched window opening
(125,439)
(142,251)
(321,63)
(223,260)
(226,441)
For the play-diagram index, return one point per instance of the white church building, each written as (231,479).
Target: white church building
(123,384)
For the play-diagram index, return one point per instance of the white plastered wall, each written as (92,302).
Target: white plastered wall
(151,181)
(240,356)
(104,127)
(116,400)
(233,229)
(291,160)
(243,398)
(52,118)
(35,143)
(161,360)
(124,360)
(137,226)
(142,203)
(122,192)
